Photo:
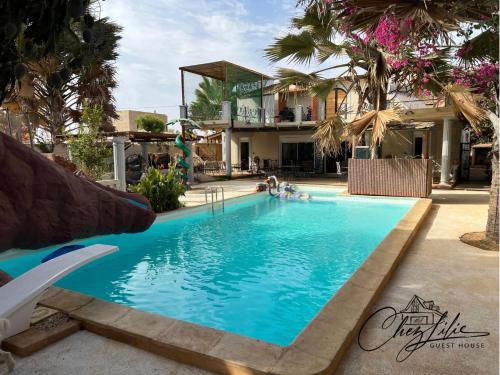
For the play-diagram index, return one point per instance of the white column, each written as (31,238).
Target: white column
(445,152)
(144,153)
(227,147)
(119,162)
(298,113)
(226,139)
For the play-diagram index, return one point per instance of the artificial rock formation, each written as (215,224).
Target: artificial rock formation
(43,204)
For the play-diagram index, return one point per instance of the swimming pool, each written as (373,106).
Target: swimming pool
(263,268)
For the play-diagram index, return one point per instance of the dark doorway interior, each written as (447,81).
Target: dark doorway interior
(419,141)
(331,161)
(245,155)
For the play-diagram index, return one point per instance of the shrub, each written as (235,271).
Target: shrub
(89,150)
(150,123)
(162,191)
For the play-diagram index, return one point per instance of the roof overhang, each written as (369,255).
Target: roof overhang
(218,70)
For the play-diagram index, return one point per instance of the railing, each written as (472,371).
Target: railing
(212,190)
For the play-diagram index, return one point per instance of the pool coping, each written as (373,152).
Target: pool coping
(318,349)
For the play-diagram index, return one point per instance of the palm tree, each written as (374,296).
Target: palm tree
(407,42)
(208,102)
(62,83)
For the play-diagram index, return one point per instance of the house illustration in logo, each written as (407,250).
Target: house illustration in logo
(420,312)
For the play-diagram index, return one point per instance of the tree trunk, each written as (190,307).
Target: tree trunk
(381,105)
(492,223)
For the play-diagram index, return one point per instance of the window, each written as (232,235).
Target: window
(297,153)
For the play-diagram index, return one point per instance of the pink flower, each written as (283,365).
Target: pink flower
(356,49)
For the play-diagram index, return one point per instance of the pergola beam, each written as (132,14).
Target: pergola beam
(428,114)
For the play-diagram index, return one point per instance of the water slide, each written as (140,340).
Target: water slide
(189,125)
(186,152)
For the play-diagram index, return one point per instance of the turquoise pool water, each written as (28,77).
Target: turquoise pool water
(263,268)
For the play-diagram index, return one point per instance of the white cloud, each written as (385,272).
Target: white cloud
(159,36)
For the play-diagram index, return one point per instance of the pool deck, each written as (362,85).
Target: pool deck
(431,265)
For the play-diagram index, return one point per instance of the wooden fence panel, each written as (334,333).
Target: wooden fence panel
(390,177)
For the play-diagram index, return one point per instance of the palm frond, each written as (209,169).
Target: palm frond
(323,88)
(358,126)
(481,47)
(379,121)
(298,48)
(287,77)
(329,135)
(328,49)
(319,24)
(466,104)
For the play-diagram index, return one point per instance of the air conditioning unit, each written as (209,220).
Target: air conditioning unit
(362,152)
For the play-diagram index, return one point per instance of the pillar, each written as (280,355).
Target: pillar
(119,162)
(298,113)
(226,139)
(144,154)
(445,153)
(426,144)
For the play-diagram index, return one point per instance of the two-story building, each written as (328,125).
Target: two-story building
(260,126)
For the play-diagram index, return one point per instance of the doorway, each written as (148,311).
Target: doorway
(245,155)
(331,161)
(418,146)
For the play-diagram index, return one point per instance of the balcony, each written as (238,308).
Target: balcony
(206,87)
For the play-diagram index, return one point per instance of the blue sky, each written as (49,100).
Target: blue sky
(161,35)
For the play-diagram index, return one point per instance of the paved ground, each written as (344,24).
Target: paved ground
(84,353)
(457,277)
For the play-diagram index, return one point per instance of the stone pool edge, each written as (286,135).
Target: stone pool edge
(317,350)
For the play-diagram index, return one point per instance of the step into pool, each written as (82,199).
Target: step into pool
(263,268)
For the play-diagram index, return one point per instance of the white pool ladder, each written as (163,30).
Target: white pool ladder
(212,190)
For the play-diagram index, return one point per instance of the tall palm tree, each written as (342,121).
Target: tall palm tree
(63,82)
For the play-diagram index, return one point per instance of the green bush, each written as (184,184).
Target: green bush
(162,191)
(150,123)
(89,150)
